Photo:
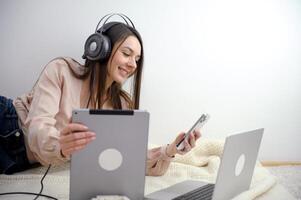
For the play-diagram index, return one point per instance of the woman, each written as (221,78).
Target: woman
(37,127)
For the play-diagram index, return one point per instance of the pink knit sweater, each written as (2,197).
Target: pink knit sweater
(47,108)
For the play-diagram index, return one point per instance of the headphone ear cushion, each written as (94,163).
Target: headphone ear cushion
(97,47)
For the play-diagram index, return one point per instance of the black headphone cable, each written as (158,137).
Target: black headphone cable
(31,193)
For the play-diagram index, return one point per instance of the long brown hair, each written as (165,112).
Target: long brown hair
(117,34)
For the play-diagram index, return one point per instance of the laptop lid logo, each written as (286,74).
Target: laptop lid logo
(240,164)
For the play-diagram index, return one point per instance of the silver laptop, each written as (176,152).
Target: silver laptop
(115,162)
(234,176)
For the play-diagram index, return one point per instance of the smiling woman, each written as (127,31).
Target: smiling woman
(124,61)
(41,119)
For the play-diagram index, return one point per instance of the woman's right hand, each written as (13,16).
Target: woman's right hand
(75,137)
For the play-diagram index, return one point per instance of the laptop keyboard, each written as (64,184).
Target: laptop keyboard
(204,192)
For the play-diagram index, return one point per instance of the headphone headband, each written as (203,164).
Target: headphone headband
(108,16)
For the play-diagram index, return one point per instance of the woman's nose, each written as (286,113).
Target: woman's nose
(132,62)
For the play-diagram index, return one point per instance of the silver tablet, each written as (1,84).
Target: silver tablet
(115,162)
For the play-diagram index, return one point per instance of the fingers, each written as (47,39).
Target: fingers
(70,151)
(193,137)
(78,139)
(75,137)
(172,148)
(77,143)
(179,138)
(190,142)
(187,148)
(197,135)
(73,127)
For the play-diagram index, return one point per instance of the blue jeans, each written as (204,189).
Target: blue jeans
(13,156)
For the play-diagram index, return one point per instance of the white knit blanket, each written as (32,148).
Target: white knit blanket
(201,163)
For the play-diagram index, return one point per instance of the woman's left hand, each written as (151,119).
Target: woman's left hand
(189,143)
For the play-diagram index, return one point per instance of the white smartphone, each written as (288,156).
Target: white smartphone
(198,124)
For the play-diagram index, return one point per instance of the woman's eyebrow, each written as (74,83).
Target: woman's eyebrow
(129,48)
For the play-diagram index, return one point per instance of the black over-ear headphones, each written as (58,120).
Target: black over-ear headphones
(98,45)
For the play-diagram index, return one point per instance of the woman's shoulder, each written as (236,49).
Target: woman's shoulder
(64,64)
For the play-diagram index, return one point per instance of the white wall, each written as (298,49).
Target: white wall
(237,60)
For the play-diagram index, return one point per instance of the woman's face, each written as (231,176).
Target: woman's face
(124,62)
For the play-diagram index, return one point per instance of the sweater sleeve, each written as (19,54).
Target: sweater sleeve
(43,135)
(157,161)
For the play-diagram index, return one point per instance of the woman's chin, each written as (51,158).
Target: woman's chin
(120,80)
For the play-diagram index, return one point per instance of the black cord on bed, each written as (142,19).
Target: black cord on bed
(32,193)
(29,193)
(42,186)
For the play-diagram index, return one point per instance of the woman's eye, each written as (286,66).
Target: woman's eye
(126,54)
